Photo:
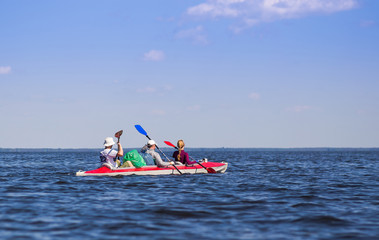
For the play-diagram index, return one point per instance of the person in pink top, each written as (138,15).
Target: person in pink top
(181,155)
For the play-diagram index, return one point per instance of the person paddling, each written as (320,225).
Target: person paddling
(108,155)
(181,155)
(149,148)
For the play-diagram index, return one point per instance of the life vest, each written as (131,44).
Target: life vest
(148,158)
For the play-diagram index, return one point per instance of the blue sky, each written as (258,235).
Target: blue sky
(216,73)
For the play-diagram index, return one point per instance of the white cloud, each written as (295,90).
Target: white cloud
(5,69)
(154,55)
(367,23)
(252,12)
(147,90)
(300,108)
(194,108)
(159,90)
(254,96)
(216,8)
(196,35)
(168,88)
(296,8)
(158,112)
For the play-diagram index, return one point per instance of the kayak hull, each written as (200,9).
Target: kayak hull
(108,170)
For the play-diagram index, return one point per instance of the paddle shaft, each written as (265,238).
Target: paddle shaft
(118,135)
(118,141)
(142,131)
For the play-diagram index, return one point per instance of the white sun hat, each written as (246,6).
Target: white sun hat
(108,142)
(151,143)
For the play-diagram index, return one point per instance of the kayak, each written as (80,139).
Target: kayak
(107,170)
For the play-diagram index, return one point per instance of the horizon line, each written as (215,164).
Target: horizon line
(265,148)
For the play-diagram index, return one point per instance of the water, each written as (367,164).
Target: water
(263,195)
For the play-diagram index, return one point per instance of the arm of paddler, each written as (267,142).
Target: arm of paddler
(120,152)
(187,159)
(160,162)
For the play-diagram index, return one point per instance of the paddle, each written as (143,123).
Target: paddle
(118,135)
(143,132)
(209,170)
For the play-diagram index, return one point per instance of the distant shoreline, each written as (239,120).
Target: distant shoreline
(195,149)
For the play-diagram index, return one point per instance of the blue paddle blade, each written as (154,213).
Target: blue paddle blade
(140,129)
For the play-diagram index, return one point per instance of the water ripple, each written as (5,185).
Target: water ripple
(263,195)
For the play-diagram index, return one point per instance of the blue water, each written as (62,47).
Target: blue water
(263,195)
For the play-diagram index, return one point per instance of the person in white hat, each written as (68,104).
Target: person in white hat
(108,155)
(149,150)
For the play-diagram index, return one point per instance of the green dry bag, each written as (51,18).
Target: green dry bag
(134,157)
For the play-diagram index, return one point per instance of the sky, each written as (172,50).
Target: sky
(215,73)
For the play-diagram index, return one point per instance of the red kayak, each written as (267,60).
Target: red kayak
(108,170)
